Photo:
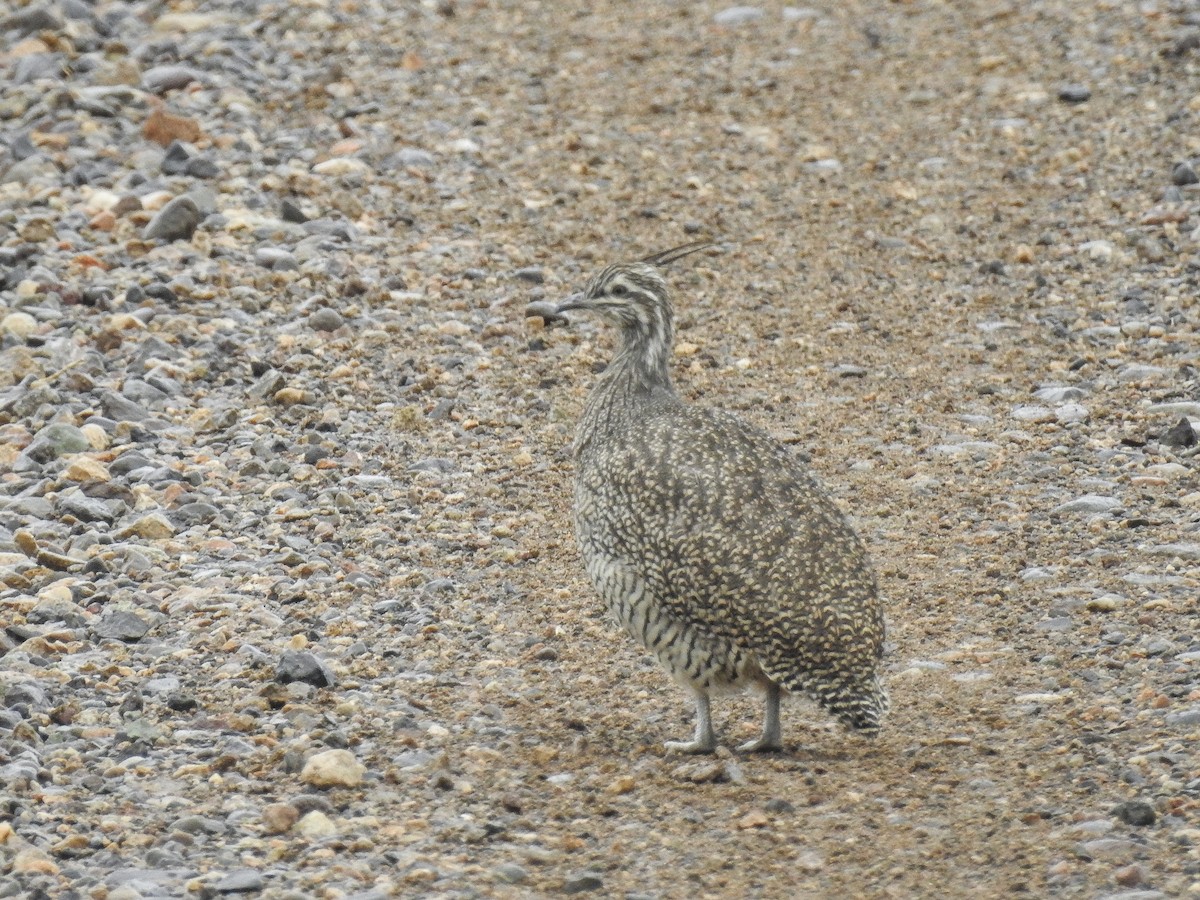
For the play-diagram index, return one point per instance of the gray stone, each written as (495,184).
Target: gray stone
(1074,93)
(55,440)
(160,79)
(532,274)
(243,881)
(304,667)
(326,319)
(90,509)
(120,625)
(195,824)
(511,873)
(122,408)
(177,221)
(1189,552)
(1138,813)
(58,610)
(412,156)
(142,392)
(30,20)
(1181,434)
(1187,717)
(276,259)
(1089,503)
(1184,173)
(583,882)
(738,15)
(267,384)
(1058,623)
(1052,393)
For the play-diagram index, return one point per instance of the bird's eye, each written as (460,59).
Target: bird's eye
(618,290)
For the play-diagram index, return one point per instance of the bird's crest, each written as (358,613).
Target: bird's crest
(664,257)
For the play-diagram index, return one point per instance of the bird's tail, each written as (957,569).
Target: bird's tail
(860,704)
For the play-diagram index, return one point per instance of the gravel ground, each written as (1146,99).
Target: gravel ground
(289,599)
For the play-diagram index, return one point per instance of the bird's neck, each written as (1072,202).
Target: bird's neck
(639,375)
(641,364)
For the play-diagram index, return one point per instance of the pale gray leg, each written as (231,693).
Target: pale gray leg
(772,736)
(706,739)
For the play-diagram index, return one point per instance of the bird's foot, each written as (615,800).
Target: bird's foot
(693,746)
(763,744)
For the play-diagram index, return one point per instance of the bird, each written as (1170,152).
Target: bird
(710,542)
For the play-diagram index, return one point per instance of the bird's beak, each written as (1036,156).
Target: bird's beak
(575,301)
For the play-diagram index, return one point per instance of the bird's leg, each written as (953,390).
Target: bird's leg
(772,737)
(706,739)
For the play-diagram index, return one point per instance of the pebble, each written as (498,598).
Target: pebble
(243,881)
(120,625)
(1071,413)
(19,324)
(1135,812)
(738,15)
(160,79)
(1181,434)
(177,221)
(278,818)
(315,825)
(1089,503)
(332,768)
(582,883)
(326,319)
(1074,93)
(303,666)
(1184,173)
(531,274)
(277,260)
(511,873)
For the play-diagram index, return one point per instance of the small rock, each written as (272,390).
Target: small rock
(160,79)
(32,861)
(120,625)
(276,260)
(279,817)
(511,873)
(1053,393)
(55,440)
(326,319)
(1184,173)
(19,324)
(583,882)
(1033,414)
(738,15)
(84,468)
(1089,503)
(1135,812)
(532,274)
(290,212)
(544,309)
(315,825)
(303,666)
(1071,413)
(1130,876)
(333,768)
(1108,848)
(1074,93)
(176,221)
(243,881)
(1181,434)
(163,128)
(267,385)
(152,526)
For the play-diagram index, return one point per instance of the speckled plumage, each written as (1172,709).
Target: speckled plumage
(708,540)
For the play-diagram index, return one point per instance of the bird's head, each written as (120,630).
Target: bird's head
(632,295)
